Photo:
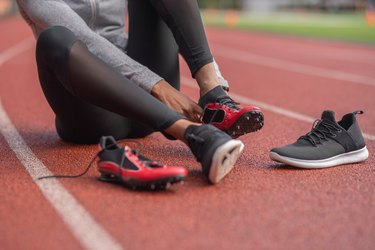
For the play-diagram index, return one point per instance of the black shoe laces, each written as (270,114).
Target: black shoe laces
(142,158)
(224,101)
(229,102)
(321,131)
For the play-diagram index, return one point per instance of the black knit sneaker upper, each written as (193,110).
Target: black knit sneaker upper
(212,96)
(203,142)
(327,138)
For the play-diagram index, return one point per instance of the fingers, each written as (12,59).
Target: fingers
(197,113)
(194,113)
(198,109)
(195,118)
(180,103)
(191,116)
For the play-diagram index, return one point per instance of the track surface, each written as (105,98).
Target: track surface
(260,205)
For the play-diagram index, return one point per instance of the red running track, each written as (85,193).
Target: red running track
(260,205)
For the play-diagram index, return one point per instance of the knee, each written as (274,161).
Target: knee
(54,43)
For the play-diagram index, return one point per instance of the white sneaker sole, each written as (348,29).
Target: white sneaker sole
(346,158)
(224,159)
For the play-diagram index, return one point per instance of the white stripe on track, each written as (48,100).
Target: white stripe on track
(254,59)
(353,56)
(238,55)
(247,57)
(297,116)
(86,230)
(15,50)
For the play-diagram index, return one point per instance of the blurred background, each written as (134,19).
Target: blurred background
(273,5)
(7,7)
(346,20)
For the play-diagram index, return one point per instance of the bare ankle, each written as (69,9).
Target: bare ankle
(177,129)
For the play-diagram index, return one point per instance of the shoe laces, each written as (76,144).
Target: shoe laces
(141,158)
(321,130)
(224,101)
(146,161)
(229,102)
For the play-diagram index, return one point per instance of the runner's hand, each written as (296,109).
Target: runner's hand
(177,101)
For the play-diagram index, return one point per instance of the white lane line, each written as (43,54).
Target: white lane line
(336,54)
(15,50)
(86,230)
(361,55)
(245,100)
(247,57)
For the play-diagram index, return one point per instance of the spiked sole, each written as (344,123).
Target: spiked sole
(346,158)
(224,159)
(250,121)
(159,184)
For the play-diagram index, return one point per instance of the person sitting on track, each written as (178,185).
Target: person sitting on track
(99,82)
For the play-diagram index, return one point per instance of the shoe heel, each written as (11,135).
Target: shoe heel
(224,159)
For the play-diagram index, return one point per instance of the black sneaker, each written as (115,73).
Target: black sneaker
(216,151)
(328,144)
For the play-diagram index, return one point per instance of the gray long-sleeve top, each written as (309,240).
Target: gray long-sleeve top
(100,24)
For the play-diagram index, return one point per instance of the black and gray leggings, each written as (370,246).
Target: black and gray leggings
(91,99)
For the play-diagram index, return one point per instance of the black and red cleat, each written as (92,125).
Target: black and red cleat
(226,115)
(125,165)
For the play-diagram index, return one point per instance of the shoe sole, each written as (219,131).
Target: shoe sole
(346,158)
(223,160)
(250,121)
(158,184)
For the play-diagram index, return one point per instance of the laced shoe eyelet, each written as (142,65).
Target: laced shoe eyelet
(339,131)
(334,135)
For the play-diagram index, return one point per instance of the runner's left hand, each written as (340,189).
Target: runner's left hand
(177,101)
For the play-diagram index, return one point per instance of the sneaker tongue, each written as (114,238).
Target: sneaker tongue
(211,96)
(329,115)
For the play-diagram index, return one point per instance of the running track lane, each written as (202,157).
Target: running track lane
(260,205)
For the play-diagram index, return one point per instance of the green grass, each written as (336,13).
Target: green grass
(344,26)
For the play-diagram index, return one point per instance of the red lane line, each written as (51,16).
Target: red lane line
(295,67)
(274,45)
(322,54)
(13,30)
